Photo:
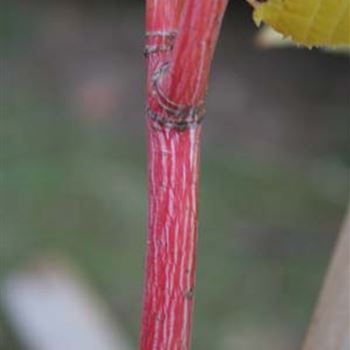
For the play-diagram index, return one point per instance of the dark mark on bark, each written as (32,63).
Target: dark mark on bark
(173,115)
(157,42)
(189,294)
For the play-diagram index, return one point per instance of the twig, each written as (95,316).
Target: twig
(180,41)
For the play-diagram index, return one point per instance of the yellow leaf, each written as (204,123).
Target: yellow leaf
(307,22)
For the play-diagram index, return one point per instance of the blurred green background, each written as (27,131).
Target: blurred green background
(274,185)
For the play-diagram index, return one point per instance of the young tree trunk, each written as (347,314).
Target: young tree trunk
(180,41)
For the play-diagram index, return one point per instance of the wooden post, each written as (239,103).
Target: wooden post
(330,327)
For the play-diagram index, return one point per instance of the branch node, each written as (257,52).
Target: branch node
(166,41)
(173,115)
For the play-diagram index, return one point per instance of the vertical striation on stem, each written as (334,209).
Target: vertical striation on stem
(180,42)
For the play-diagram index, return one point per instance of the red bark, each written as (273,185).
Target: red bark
(180,41)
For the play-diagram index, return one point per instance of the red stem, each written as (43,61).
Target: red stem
(178,69)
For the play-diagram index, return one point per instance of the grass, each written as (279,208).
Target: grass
(79,191)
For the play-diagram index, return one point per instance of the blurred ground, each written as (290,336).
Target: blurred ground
(274,184)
